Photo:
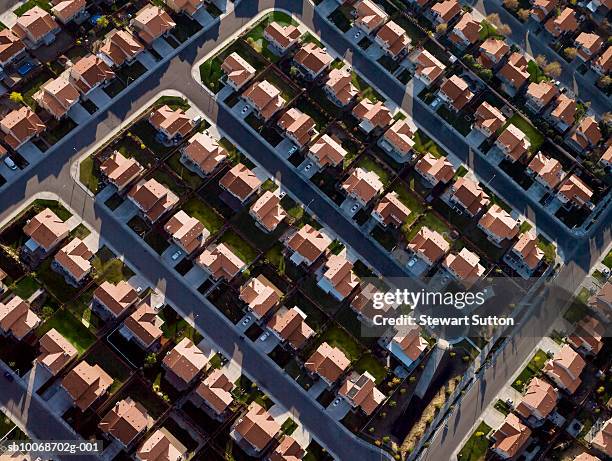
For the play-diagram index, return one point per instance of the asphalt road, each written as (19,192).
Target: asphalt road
(52,175)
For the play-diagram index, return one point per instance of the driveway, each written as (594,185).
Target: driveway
(162,47)
(30,152)
(146,59)
(307,168)
(338,408)
(78,114)
(99,97)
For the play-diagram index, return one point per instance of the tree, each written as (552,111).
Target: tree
(47,312)
(441,28)
(16,97)
(553,69)
(150,360)
(281,266)
(494,19)
(102,22)
(541,60)
(570,52)
(606,82)
(523,14)
(512,5)
(504,29)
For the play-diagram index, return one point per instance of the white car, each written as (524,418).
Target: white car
(336,402)
(246,321)
(245,109)
(282,194)
(308,167)
(293,150)
(176,255)
(265,336)
(412,262)
(354,208)
(358,34)
(9,163)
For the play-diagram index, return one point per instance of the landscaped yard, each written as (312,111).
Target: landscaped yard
(423,143)
(55,282)
(239,246)
(25,287)
(365,90)
(203,213)
(412,201)
(87,174)
(368,363)
(255,37)
(368,164)
(29,4)
(61,212)
(190,178)
(109,362)
(112,270)
(69,327)
(533,368)
(536,139)
(428,220)
(476,447)
(607,261)
(337,337)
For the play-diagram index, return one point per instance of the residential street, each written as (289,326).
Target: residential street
(53,175)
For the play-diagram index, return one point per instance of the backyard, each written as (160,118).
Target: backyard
(533,368)
(476,447)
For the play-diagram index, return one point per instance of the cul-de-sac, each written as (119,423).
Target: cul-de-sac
(282,230)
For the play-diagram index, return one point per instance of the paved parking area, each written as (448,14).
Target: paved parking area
(203,17)
(99,97)
(162,47)
(126,211)
(284,148)
(30,152)
(196,276)
(245,322)
(59,401)
(172,255)
(78,114)
(268,344)
(307,171)
(338,408)
(350,207)
(146,59)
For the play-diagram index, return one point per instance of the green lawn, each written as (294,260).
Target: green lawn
(174,102)
(607,261)
(203,213)
(55,282)
(535,137)
(81,231)
(239,246)
(113,270)
(536,75)
(289,427)
(433,222)
(533,368)
(61,212)
(337,337)
(476,447)
(187,176)
(365,90)
(488,30)
(69,327)
(211,74)
(369,363)
(5,425)
(29,4)
(411,200)
(550,252)
(255,36)
(107,360)
(25,287)
(370,165)
(87,175)
(423,143)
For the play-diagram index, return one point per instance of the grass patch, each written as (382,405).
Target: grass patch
(87,174)
(423,143)
(502,407)
(411,200)
(337,337)
(365,90)
(428,220)
(607,261)
(81,231)
(112,270)
(239,246)
(535,137)
(532,369)
(575,312)
(187,176)
(255,37)
(477,445)
(536,75)
(488,30)
(26,287)
(55,282)
(369,363)
(70,328)
(370,165)
(174,102)
(61,212)
(289,427)
(203,213)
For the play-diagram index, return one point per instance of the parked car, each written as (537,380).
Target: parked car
(9,163)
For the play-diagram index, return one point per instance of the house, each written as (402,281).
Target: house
(363,304)
(125,421)
(588,45)
(57,97)
(427,67)
(265,99)
(469,196)
(545,170)
(369,16)
(526,252)
(489,119)
(36,27)
(601,302)
(327,151)
(372,115)
(465,32)
(539,95)
(312,60)
(563,113)
(428,245)
(152,199)
(256,429)
(588,335)
(338,278)
(603,64)
(455,92)
(399,137)
(287,450)
(260,295)
(202,154)
(514,73)
(189,7)
(161,446)
(281,38)
(143,326)
(183,363)
(539,401)
(584,456)
(215,391)
(339,87)
(574,192)
(119,47)
(360,391)
(186,232)
(408,347)
(221,262)
(445,11)
(85,384)
(113,299)
(606,157)
(498,225)
(73,261)
(240,182)
(289,325)
(89,73)
(267,211)
(565,368)
(45,232)
(55,351)
(17,319)
(511,437)
(540,9)
(492,51)
(237,70)
(67,10)
(120,171)
(513,143)
(307,245)
(587,134)
(362,185)
(393,39)
(174,125)
(298,126)
(328,362)
(11,47)
(21,125)
(391,211)
(435,169)
(602,440)
(564,23)
(465,266)
(151,23)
